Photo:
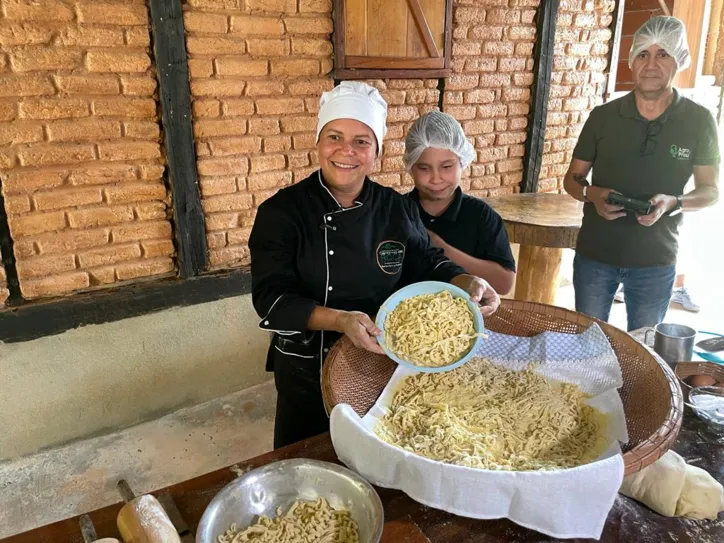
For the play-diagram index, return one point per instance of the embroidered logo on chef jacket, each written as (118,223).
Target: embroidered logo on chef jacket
(390,255)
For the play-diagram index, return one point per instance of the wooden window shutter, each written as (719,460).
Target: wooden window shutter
(392,38)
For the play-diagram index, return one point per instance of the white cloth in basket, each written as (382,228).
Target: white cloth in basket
(565,503)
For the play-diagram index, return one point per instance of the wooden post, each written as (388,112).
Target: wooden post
(169,46)
(615,52)
(695,16)
(543,58)
(538,274)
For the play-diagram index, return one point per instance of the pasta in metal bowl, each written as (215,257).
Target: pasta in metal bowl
(304,522)
(485,416)
(430,330)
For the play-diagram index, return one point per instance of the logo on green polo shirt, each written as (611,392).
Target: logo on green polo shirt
(679,153)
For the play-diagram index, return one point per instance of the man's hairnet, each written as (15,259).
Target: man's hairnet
(439,131)
(669,33)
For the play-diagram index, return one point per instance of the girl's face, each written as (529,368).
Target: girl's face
(436,174)
(347,150)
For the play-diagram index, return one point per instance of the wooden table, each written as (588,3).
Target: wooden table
(409,522)
(543,225)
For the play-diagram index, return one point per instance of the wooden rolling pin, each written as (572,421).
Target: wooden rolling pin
(89,532)
(143,519)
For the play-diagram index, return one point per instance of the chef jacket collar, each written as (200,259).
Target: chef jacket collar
(329,198)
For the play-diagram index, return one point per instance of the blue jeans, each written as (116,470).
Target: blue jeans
(647,291)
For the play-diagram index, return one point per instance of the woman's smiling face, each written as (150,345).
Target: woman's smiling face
(347,150)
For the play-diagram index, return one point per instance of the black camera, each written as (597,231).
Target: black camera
(640,207)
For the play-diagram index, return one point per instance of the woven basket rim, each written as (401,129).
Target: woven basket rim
(641,455)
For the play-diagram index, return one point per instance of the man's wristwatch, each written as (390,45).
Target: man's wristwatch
(678,206)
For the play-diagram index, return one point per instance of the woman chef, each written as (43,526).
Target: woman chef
(329,250)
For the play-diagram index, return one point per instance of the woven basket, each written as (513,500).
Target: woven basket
(651,393)
(684,370)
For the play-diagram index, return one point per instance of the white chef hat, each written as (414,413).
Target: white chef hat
(669,33)
(358,101)
(439,131)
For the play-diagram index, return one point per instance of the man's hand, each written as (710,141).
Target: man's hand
(597,196)
(480,291)
(360,329)
(663,203)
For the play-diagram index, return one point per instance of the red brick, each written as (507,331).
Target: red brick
(279,106)
(144,268)
(461,82)
(460,32)
(267,47)
(17,204)
(492,154)
(92,11)
(213,128)
(38,10)
(518,109)
(294,68)
(585,20)
(478,127)
(91,37)
(512,94)
(267,163)
(315,6)
(29,182)
(240,66)
(266,181)
(82,84)
(99,216)
(46,201)
(100,175)
(138,86)
(195,21)
(469,15)
(462,113)
(7,159)
(263,126)
(313,87)
(274,6)
(523,80)
(206,108)
(524,49)
(264,88)
(486,32)
(238,236)
(227,202)
(71,240)
(215,45)
(125,107)
(521,33)
(7,111)
(235,146)
(44,58)
(276,144)
(492,110)
(309,25)
(311,47)
(498,48)
(83,130)
(222,221)
(32,224)
(200,68)
(402,113)
(13,33)
(495,80)
(296,160)
(256,26)
(512,64)
(138,192)
(138,37)
(157,247)
(129,150)
(212,186)
(16,133)
(102,276)
(140,231)
(479,96)
(45,266)
(57,284)
(223,166)
(148,130)
(463,48)
(228,256)
(54,108)
(108,255)
(47,155)
(481,64)
(233,108)
(510,138)
(216,4)
(151,211)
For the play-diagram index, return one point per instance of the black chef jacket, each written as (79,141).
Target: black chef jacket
(471,226)
(307,250)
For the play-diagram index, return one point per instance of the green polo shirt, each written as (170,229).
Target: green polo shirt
(640,158)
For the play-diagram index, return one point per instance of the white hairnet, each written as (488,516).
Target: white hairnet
(439,131)
(669,33)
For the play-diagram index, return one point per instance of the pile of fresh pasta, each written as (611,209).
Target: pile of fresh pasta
(430,330)
(304,522)
(485,416)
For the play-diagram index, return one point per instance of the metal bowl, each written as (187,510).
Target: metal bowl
(708,404)
(280,484)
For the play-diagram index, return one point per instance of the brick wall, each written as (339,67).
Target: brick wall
(81,159)
(490,90)
(578,81)
(3,285)
(635,13)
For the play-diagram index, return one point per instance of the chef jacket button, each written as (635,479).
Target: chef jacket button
(331,252)
(334,228)
(326,350)
(266,323)
(330,288)
(432,220)
(329,218)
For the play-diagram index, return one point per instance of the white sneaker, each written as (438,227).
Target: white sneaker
(618,297)
(682,297)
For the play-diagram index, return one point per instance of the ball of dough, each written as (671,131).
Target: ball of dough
(702,496)
(659,485)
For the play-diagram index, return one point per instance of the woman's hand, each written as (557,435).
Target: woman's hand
(480,291)
(360,329)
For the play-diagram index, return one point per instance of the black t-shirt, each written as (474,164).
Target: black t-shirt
(471,226)
(640,158)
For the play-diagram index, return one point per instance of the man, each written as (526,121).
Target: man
(645,145)
(470,232)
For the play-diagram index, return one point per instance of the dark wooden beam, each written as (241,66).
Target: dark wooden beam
(50,317)
(169,47)
(338,15)
(615,50)
(543,67)
(8,257)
